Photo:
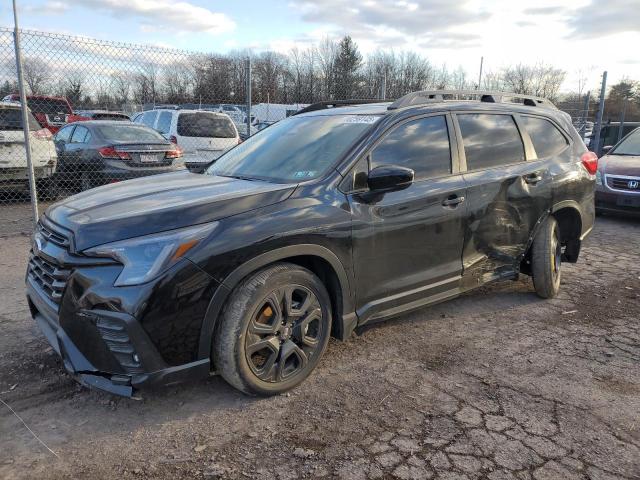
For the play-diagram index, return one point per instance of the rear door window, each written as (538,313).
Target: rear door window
(203,124)
(421,145)
(149,118)
(490,140)
(80,135)
(545,136)
(164,122)
(64,134)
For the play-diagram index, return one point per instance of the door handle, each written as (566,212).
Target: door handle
(532,178)
(453,201)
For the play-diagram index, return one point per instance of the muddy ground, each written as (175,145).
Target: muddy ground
(497,384)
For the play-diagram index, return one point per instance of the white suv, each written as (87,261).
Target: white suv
(13,157)
(203,136)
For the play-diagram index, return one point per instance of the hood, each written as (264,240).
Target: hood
(626,165)
(157,203)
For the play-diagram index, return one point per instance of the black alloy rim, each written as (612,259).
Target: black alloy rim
(284,333)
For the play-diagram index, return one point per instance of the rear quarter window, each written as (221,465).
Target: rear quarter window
(202,124)
(11,119)
(545,136)
(490,140)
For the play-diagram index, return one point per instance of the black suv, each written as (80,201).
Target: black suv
(336,217)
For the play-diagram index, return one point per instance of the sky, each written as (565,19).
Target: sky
(584,37)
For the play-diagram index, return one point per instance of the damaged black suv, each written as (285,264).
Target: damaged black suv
(336,217)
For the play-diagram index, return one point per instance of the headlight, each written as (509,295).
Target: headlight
(146,257)
(598,177)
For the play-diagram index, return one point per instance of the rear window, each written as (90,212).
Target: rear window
(546,138)
(11,119)
(130,133)
(202,124)
(490,140)
(48,106)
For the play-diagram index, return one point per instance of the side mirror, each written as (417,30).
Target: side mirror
(606,149)
(389,177)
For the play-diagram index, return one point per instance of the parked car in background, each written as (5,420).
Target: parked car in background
(329,220)
(609,135)
(51,113)
(618,177)
(14,174)
(96,152)
(102,115)
(242,131)
(203,136)
(262,125)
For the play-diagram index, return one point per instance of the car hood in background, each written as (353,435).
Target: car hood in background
(158,203)
(625,165)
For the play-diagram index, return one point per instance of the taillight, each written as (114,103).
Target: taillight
(43,134)
(175,152)
(590,162)
(173,139)
(110,152)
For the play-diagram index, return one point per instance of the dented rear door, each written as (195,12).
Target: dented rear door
(507,194)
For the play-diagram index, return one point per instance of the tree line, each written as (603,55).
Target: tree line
(330,70)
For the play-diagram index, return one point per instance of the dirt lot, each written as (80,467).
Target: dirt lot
(497,384)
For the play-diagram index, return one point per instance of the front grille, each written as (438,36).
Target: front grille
(50,277)
(117,340)
(631,184)
(53,237)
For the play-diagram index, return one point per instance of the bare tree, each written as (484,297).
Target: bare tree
(37,75)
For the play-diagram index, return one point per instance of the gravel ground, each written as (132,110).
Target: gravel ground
(497,384)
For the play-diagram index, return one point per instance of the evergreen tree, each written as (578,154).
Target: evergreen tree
(347,68)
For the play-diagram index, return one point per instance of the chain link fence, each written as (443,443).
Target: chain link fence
(101,111)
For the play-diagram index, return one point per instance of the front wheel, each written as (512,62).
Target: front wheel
(273,331)
(546,259)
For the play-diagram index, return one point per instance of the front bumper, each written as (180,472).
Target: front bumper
(619,202)
(118,341)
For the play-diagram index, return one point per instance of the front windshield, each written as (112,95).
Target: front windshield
(630,145)
(295,149)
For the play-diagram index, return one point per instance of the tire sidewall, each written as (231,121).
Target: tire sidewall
(249,302)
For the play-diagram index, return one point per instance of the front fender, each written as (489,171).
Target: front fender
(235,277)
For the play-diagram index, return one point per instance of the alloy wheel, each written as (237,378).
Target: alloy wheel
(284,333)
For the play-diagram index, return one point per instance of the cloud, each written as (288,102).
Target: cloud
(599,19)
(165,14)
(544,10)
(388,23)
(52,7)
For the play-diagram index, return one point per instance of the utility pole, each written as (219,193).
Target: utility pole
(603,88)
(480,76)
(25,115)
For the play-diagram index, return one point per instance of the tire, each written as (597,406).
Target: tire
(273,330)
(546,256)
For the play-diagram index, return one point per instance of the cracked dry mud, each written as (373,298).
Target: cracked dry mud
(497,384)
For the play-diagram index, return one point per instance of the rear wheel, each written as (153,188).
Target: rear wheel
(546,259)
(273,330)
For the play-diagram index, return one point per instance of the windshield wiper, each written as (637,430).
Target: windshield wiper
(238,177)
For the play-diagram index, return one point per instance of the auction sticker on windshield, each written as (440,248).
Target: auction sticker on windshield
(361,119)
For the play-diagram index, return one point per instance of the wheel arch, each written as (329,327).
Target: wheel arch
(320,260)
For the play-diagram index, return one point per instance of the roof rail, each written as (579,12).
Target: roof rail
(430,96)
(335,103)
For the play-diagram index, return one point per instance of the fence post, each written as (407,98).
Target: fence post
(248,94)
(25,115)
(383,87)
(622,115)
(596,148)
(585,114)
